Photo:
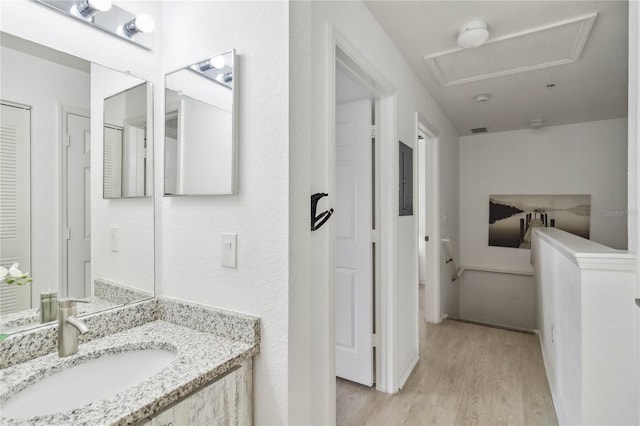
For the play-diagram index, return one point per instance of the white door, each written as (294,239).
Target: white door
(15,202)
(353,222)
(78,201)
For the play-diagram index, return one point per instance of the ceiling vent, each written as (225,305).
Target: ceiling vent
(479,130)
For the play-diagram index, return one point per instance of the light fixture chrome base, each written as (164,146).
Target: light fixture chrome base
(110,21)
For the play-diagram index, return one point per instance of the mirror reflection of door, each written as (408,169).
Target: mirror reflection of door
(126,173)
(15,200)
(171,146)
(113,140)
(77,196)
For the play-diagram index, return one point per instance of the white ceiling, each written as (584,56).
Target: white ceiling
(592,87)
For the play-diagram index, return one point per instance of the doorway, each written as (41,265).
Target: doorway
(76,204)
(383,209)
(428,217)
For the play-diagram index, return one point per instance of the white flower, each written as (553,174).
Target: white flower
(14,275)
(15,272)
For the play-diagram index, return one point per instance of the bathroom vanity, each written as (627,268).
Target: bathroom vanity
(204,376)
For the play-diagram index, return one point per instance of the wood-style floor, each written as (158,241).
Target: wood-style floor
(467,375)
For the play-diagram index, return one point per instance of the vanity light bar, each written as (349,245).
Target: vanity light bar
(217,69)
(105,16)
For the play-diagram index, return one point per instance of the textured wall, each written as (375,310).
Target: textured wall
(189,228)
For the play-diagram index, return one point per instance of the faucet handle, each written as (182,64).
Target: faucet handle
(70,302)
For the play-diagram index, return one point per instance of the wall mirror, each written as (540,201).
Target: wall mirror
(126,171)
(200,136)
(54,221)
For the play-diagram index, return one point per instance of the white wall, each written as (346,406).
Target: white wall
(582,158)
(634,158)
(189,228)
(313,388)
(633,216)
(505,300)
(46,87)
(587,325)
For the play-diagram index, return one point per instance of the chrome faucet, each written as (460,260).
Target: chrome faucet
(69,326)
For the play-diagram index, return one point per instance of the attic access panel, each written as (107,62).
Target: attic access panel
(552,45)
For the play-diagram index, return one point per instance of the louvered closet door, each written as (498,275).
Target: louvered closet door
(113,137)
(15,202)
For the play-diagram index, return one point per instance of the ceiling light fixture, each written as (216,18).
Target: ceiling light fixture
(473,34)
(140,24)
(482,98)
(536,123)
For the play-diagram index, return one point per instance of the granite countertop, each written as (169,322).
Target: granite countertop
(201,357)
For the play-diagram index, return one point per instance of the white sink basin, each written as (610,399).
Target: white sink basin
(91,381)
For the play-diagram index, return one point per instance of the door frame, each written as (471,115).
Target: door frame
(63,289)
(387,202)
(433,309)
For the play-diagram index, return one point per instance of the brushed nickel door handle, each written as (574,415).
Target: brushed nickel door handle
(638,302)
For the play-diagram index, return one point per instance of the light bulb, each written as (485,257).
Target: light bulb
(218,62)
(88,8)
(145,23)
(140,24)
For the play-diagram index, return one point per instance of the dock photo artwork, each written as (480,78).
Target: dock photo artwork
(512,218)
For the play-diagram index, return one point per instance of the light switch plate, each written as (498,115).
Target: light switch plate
(229,250)
(115,238)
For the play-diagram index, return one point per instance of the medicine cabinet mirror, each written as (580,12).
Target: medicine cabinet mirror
(200,136)
(127,125)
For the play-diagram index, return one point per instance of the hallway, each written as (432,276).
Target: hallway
(467,375)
